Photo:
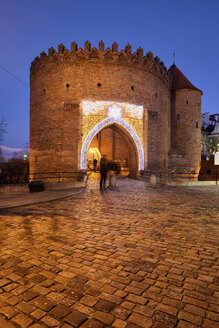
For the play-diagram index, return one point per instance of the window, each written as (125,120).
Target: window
(178,117)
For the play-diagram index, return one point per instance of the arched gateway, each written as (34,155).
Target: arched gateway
(113,113)
(155,113)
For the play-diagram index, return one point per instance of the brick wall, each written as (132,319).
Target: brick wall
(60,81)
(56,93)
(186,130)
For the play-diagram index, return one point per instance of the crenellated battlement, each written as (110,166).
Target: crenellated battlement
(122,57)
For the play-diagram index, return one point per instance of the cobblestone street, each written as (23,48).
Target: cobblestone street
(132,257)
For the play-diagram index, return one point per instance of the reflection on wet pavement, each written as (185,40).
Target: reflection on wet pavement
(134,257)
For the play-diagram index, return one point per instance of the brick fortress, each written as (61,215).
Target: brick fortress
(123,104)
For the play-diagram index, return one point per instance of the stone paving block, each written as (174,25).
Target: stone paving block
(73,294)
(61,298)
(144,310)
(90,323)
(136,299)
(89,300)
(43,303)
(103,317)
(104,306)
(60,311)
(29,295)
(213,316)
(75,318)
(4,282)
(160,325)
(210,324)
(190,317)
(8,311)
(6,324)
(110,298)
(121,312)
(149,259)
(165,318)
(51,322)
(140,320)
(83,308)
(14,300)
(38,314)
(166,309)
(22,320)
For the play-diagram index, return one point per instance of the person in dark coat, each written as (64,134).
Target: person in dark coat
(95,164)
(103,171)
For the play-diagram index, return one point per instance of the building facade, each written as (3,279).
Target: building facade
(210,134)
(152,114)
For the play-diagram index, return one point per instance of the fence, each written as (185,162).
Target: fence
(58,176)
(14,172)
(182,176)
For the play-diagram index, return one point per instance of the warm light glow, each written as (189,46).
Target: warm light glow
(93,153)
(114,109)
(100,126)
(90,107)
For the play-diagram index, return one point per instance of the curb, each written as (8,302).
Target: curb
(41,201)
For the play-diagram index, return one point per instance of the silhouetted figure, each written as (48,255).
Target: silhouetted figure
(95,164)
(103,171)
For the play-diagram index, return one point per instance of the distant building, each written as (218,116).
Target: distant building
(209,134)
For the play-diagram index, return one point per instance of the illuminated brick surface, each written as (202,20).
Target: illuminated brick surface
(74,94)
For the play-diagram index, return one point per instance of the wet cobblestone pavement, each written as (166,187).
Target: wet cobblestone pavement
(134,257)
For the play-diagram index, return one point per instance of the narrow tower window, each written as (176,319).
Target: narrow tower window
(178,117)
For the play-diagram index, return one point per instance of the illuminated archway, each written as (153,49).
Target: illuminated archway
(100,126)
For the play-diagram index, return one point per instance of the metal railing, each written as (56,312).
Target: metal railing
(182,176)
(57,176)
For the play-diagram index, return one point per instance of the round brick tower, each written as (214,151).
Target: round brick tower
(63,82)
(185,122)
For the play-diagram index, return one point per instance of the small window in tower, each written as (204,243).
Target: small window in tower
(67,85)
(133,88)
(187,102)
(178,117)
(156,94)
(196,125)
(99,85)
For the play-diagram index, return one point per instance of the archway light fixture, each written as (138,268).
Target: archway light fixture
(100,126)
(113,109)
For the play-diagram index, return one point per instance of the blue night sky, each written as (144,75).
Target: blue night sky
(190,27)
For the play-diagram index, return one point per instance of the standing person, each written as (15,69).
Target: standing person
(95,164)
(103,171)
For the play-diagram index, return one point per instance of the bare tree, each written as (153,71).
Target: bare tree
(3,127)
(3,130)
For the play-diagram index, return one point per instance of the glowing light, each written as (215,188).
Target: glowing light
(135,110)
(114,111)
(101,125)
(93,153)
(91,107)
(114,108)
